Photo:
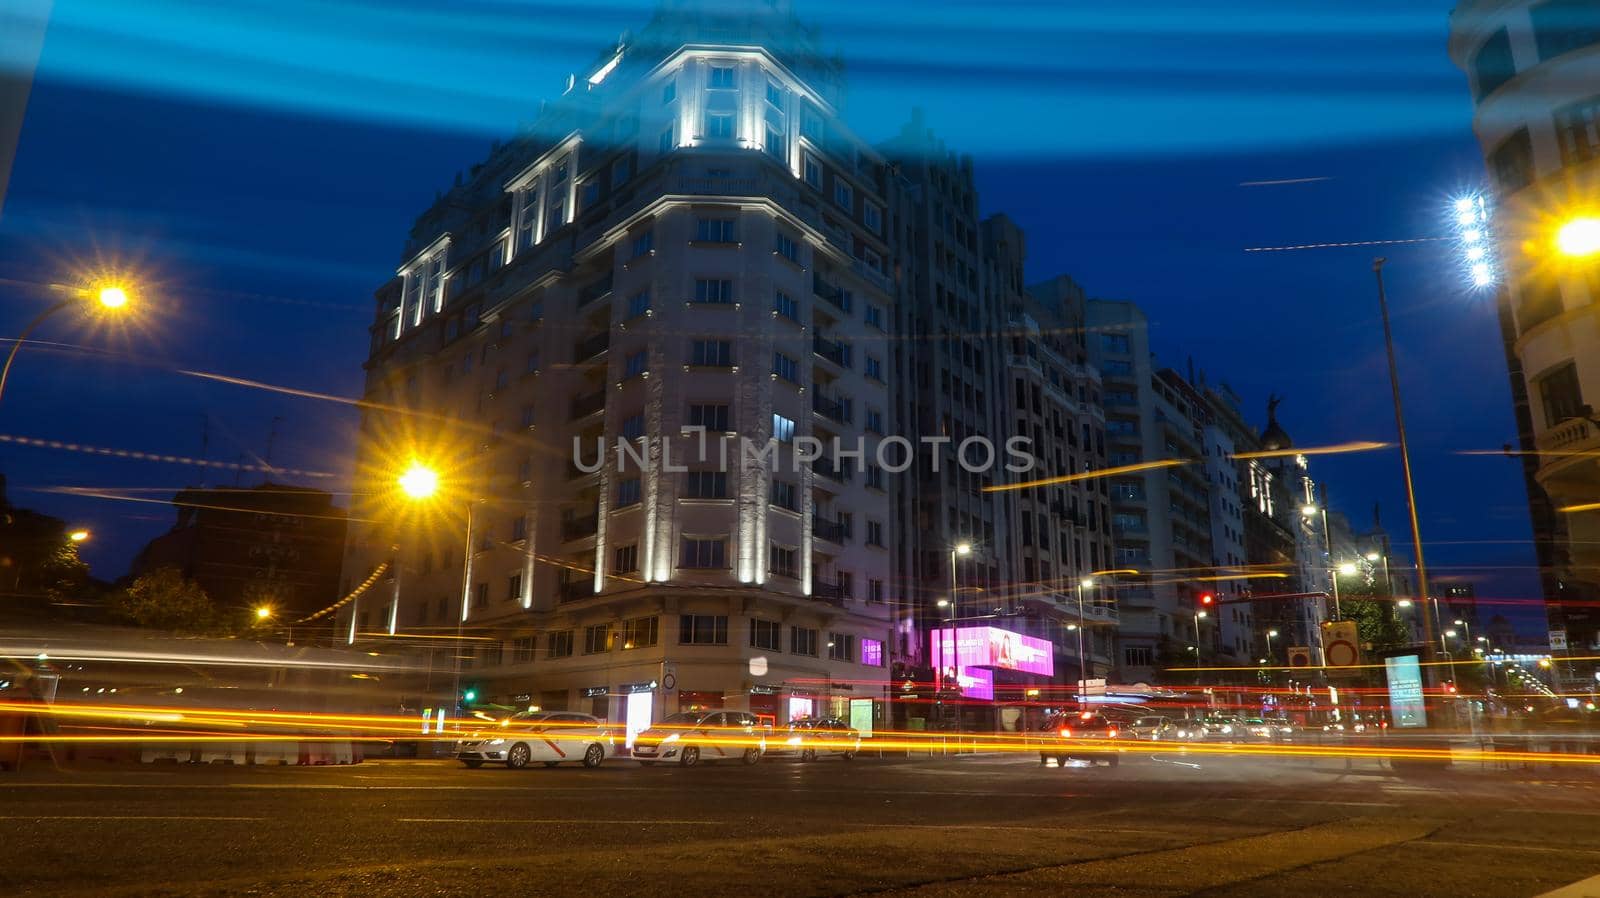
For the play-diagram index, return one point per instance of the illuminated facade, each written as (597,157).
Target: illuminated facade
(688,254)
(1534,73)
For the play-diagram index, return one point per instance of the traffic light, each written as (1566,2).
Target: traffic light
(1207,600)
(469,696)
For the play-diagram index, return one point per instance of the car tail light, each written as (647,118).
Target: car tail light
(1066,733)
(1113,734)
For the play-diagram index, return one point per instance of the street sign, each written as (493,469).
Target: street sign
(1341,647)
(1299,656)
(1558,640)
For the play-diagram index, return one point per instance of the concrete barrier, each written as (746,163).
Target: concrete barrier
(274,753)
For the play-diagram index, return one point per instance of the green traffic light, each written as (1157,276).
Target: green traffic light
(471,695)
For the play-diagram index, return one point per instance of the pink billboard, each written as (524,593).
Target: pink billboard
(965,647)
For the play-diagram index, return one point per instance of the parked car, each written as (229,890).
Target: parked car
(814,737)
(1155,729)
(548,737)
(1084,736)
(693,736)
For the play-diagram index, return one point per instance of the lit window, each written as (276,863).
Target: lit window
(722,77)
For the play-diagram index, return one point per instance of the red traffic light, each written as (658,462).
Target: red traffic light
(1207,598)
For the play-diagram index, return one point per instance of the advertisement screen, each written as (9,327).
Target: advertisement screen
(861,716)
(1406,708)
(965,647)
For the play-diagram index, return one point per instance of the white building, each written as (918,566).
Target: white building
(686,254)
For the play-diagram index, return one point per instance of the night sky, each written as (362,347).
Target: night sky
(262,163)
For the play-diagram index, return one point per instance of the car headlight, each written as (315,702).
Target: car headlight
(671,737)
(1226,728)
(495,742)
(794,740)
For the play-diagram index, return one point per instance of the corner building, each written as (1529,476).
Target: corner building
(680,270)
(1534,73)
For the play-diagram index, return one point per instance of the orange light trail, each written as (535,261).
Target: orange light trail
(1089,475)
(1357,446)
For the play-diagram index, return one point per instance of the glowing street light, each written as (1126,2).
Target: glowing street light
(1579,238)
(78,536)
(264,612)
(110,295)
(419,481)
(1471,214)
(1348,569)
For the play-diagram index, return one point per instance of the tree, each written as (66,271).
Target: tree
(164,599)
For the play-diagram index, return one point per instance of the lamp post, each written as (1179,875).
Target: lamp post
(111,297)
(420,483)
(1327,543)
(1083,676)
(1271,661)
(1405,462)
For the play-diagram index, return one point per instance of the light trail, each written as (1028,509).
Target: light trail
(1282,249)
(1336,449)
(1280,182)
(1089,475)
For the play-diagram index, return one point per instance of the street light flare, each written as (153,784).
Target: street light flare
(113,296)
(419,481)
(78,536)
(264,612)
(1579,238)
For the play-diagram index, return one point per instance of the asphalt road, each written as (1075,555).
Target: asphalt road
(1158,825)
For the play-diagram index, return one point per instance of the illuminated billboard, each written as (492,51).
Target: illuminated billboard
(1406,707)
(993,647)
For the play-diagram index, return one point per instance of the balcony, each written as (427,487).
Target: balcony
(831,469)
(835,351)
(1570,434)
(829,407)
(580,527)
(835,295)
(590,346)
(830,591)
(588,404)
(872,275)
(594,291)
(834,531)
(574,590)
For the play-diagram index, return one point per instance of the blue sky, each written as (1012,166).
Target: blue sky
(264,160)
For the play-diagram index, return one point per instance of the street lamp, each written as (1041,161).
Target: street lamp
(960,549)
(1579,238)
(78,536)
(420,482)
(1270,635)
(1405,464)
(264,612)
(1083,675)
(109,296)
(1311,511)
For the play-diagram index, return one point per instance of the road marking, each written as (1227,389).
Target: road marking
(1178,763)
(110,817)
(495,821)
(1510,846)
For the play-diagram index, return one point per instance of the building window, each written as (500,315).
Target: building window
(668,140)
(785,495)
(702,629)
(1560,394)
(874,368)
(1561,26)
(784,561)
(597,639)
(1493,66)
(775,143)
(644,244)
(841,647)
(627,492)
(872,217)
(1116,368)
(706,484)
(558,644)
(785,246)
(872,652)
(803,641)
(522,650)
(785,305)
(704,553)
(635,364)
(775,93)
(669,91)
(719,125)
(786,367)
(480,595)
(874,477)
(875,533)
(713,290)
(766,634)
(625,559)
(844,196)
(1138,656)
(513,587)
(813,172)
(633,426)
(875,591)
(874,420)
(722,77)
(714,230)
(1511,163)
(711,416)
(640,632)
(638,303)
(782,428)
(1578,131)
(875,316)
(711,353)
(531,364)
